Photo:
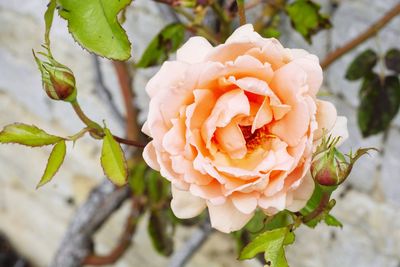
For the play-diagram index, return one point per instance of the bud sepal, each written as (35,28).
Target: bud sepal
(58,80)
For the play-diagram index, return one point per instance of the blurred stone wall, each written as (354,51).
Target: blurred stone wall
(35,220)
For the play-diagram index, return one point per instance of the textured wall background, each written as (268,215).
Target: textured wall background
(35,221)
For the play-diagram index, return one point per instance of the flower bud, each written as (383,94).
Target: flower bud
(58,80)
(329,166)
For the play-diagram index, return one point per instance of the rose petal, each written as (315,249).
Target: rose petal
(227,107)
(185,205)
(174,139)
(289,82)
(340,129)
(302,194)
(244,33)
(277,201)
(326,117)
(150,157)
(310,64)
(263,116)
(194,50)
(271,51)
(293,126)
(231,140)
(245,202)
(170,73)
(211,192)
(226,218)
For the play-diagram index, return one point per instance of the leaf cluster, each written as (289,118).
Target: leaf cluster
(379,95)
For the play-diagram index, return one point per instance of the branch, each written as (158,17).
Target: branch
(125,239)
(125,84)
(77,242)
(371,31)
(181,257)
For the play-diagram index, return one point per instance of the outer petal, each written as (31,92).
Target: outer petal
(185,205)
(310,64)
(194,50)
(302,194)
(170,73)
(226,218)
(244,33)
(289,82)
(149,155)
(245,202)
(326,117)
(340,129)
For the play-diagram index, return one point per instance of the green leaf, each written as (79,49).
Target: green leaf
(137,178)
(48,19)
(167,41)
(56,159)
(332,221)
(362,65)
(157,187)
(113,160)
(270,242)
(94,25)
(306,19)
(392,60)
(380,101)
(28,135)
(160,231)
(271,32)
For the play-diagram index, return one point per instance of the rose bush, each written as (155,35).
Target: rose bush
(234,127)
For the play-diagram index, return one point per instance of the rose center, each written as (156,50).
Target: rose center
(256,139)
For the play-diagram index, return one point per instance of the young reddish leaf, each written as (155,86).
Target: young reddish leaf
(56,159)
(94,25)
(113,160)
(28,135)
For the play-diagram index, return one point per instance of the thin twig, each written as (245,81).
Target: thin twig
(181,257)
(252,4)
(128,142)
(371,31)
(241,11)
(106,92)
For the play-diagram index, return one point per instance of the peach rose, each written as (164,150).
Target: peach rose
(234,127)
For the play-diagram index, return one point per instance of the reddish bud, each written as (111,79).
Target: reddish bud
(58,80)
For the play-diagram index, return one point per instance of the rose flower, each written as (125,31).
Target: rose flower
(234,127)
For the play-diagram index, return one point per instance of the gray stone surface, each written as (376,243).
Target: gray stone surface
(35,220)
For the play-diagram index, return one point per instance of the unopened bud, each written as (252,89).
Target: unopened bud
(58,80)
(329,166)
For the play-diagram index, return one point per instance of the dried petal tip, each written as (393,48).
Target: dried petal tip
(58,80)
(329,166)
